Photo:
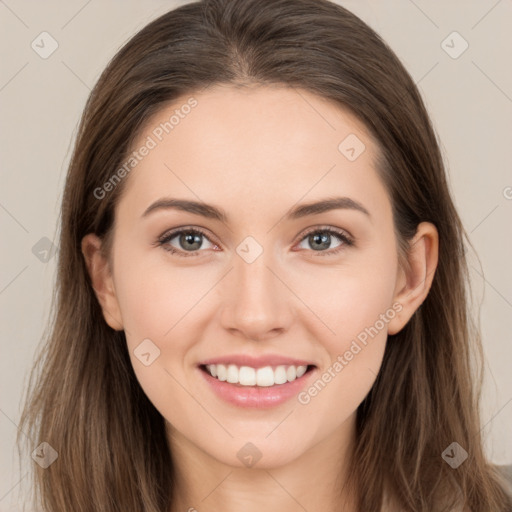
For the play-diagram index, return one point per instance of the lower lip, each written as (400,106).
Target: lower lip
(255,396)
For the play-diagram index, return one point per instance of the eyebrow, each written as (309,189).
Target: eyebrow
(213,212)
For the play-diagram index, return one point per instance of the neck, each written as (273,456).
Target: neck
(313,481)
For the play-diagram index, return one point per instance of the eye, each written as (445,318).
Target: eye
(189,240)
(320,239)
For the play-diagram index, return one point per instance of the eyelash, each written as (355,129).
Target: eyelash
(163,241)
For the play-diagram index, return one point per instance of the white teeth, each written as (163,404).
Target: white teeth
(263,377)
(301,370)
(280,375)
(291,373)
(232,376)
(247,376)
(221,371)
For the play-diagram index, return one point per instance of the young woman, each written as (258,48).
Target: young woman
(262,287)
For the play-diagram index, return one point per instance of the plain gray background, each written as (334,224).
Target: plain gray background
(469,97)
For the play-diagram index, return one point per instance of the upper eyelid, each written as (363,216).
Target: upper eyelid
(331,229)
(177,231)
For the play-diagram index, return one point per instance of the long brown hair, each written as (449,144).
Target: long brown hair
(83,397)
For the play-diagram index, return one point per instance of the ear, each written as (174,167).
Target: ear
(101,279)
(414,281)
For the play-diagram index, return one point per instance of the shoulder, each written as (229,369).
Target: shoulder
(506,472)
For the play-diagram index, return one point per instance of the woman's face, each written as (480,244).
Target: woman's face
(271,284)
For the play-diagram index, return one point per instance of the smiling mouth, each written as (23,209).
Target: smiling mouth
(247,376)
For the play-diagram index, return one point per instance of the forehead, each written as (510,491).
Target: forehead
(253,148)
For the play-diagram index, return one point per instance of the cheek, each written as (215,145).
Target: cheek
(164,305)
(342,386)
(154,297)
(358,311)
(348,300)
(156,304)
(355,303)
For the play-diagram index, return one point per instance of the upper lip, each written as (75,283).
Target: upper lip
(257,362)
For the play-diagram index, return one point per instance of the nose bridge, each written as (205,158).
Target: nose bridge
(258,302)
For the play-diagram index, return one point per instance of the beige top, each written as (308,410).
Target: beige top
(506,471)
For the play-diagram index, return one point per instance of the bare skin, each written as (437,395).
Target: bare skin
(256,153)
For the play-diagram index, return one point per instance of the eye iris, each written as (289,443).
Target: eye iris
(187,240)
(322,239)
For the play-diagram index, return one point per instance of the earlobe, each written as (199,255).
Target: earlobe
(101,280)
(414,282)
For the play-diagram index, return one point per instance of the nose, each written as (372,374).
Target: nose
(257,304)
